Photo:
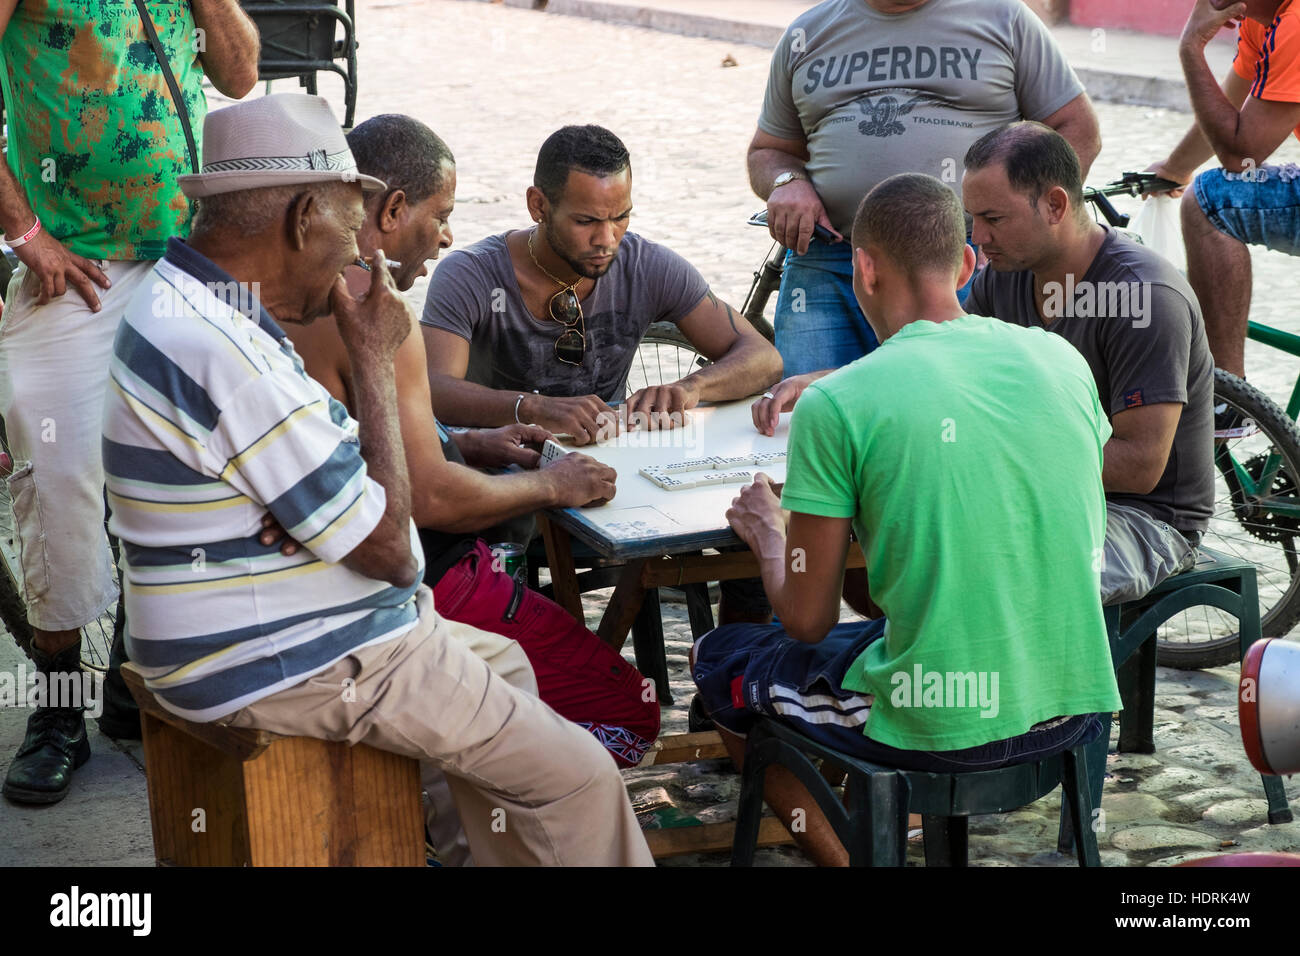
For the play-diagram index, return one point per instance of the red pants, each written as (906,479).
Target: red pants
(578,676)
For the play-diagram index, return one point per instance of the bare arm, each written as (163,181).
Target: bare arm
(1077,122)
(449,496)
(802,568)
(1138,450)
(743,362)
(794,208)
(230,45)
(769,157)
(1194,149)
(458,401)
(467,403)
(1241,138)
(372,330)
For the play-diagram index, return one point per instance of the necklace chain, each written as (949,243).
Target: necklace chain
(567,285)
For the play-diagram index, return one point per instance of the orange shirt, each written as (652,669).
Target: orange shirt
(1269,56)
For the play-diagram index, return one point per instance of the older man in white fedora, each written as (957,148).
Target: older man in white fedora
(211,424)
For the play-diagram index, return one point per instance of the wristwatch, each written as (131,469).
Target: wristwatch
(787,178)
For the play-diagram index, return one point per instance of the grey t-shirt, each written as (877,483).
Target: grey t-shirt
(875,94)
(474,293)
(1139,325)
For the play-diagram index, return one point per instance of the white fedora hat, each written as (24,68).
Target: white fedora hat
(277,140)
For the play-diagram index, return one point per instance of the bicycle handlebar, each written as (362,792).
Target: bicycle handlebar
(1130,184)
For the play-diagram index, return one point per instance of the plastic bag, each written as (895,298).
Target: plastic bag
(1159,228)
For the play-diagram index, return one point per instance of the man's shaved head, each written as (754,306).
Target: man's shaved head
(916,221)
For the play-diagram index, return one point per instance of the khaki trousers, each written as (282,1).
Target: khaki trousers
(531,787)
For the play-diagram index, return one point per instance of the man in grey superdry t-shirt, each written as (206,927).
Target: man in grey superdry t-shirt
(862,89)
(1136,321)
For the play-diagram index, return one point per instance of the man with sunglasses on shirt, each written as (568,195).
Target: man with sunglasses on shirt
(541,325)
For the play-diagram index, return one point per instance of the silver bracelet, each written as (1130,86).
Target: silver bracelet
(518,401)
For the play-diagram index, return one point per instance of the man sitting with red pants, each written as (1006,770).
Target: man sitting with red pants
(581,678)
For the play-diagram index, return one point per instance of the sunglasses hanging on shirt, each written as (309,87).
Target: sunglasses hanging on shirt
(564,307)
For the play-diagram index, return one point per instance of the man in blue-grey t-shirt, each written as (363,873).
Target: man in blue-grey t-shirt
(541,325)
(860,90)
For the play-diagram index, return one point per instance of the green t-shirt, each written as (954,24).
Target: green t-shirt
(968,454)
(94,138)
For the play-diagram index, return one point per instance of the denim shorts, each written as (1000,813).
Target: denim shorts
(746,670)
(818,322)
(1259,208)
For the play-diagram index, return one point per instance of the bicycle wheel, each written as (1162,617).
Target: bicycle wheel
(664,355)
(1256,518)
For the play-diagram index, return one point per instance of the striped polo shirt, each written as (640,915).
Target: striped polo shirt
(211,423)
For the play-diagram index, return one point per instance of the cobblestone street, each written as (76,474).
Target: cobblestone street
(494,81)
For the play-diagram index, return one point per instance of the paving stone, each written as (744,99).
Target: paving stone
(1159,838)
(1131,807)
(1208,796)
(1237,812)
(1173,778)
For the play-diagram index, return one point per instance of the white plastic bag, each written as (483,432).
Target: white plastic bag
(1159,228)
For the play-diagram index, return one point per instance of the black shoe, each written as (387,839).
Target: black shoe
(1228,423)
(119,721)
(55,743)
(696,719)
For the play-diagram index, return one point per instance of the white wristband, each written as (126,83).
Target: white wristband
(26,237)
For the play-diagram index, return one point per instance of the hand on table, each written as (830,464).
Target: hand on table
(767,411)
(755,514)
(581,481)
(661,407)
(584,417)
(501,447)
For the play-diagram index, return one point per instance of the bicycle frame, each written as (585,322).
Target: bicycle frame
(1254,488)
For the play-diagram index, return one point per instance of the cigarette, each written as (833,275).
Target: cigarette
(392,264)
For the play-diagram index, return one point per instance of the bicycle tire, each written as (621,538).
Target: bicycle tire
(663,356)
(13,612)
(1243,527)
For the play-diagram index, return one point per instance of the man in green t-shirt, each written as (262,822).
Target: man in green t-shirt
(966,454)
(88,200)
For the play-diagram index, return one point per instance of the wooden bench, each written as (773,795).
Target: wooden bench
(221,796)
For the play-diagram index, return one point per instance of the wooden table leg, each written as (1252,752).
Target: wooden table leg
(624,605)
(564,576)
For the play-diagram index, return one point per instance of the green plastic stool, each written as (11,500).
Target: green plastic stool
(873,827)
(1217,580)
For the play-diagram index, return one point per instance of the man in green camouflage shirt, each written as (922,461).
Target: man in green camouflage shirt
(88,200)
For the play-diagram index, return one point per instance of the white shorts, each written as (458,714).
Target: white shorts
(53,375)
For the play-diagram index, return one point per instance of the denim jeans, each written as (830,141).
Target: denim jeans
(1259,208)
(818,322)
